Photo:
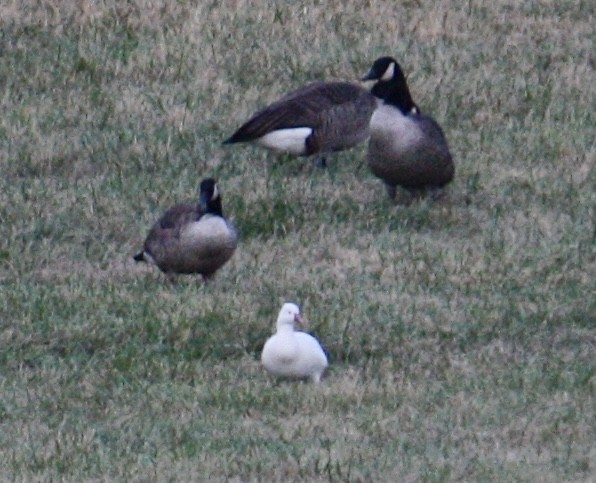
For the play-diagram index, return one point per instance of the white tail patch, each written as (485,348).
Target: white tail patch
(286,140)
(388,74)
(149,258)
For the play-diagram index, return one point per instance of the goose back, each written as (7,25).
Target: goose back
(322,117)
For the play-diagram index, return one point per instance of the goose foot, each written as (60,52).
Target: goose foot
(172,278)
(391,191)
(207,277)
(320,162)
(436,193)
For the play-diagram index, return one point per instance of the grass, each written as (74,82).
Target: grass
(461,333)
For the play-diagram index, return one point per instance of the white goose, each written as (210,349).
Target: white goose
(293,353)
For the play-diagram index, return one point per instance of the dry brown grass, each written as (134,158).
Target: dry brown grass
(461,332)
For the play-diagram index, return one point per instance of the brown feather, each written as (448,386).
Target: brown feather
(174,248)
(338,113)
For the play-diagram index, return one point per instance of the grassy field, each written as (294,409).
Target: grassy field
(461,332)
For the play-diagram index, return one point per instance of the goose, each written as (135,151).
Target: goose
(191,237)
(406,148)
(318,118)
(292,353)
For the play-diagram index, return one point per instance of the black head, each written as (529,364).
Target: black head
(384,69)
(391,85)
(210,200)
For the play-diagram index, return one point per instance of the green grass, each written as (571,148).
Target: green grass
(461,332)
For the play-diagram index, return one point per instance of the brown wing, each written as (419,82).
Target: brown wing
(167,228)
(305,107)
(343,125)
(438,150)
(425,161)
(179,215)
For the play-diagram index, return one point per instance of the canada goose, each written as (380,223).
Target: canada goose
(406,148)
(191,237)
(318,118)
(292,353)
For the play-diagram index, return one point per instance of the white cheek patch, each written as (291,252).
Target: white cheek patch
(215,193)
(388,74)
(286,140)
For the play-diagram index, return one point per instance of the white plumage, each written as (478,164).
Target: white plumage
(292,353)
(286,140)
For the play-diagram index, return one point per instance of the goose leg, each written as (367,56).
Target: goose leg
(172,278)
(207,277)
(315,378)
(320,162)
(436,192)
(391,191)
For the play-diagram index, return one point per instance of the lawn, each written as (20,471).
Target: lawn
(461,332)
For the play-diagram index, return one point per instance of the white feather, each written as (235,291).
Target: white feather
(209,231)
(286,140)
(292,353)
(388,122)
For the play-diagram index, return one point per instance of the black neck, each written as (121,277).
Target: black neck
(395,92)
(213,207)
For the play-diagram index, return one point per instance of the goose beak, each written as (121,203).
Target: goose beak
(299,320)
(369,76)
